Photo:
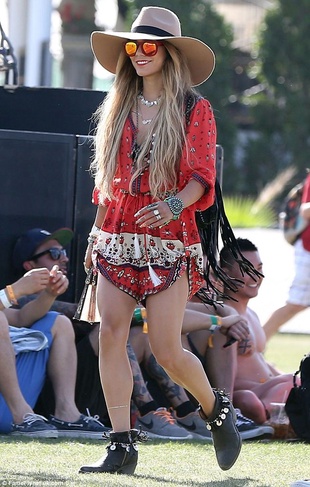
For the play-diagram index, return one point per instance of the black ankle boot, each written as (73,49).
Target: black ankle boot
(222,424)
(122,454)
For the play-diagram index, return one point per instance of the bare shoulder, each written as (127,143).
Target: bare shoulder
(253,319)
(256,330)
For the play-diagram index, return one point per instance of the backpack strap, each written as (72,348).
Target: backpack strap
(295,378)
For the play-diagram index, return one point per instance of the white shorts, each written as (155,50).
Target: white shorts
(299,292)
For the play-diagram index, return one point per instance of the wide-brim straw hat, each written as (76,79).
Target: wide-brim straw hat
(155,23)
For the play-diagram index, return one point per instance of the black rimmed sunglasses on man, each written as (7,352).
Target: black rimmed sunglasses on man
(54,252)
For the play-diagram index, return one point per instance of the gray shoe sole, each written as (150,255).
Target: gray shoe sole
(260,431)
(165,437)
(197,436)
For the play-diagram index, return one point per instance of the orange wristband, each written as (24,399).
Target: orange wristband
(12,297)
(219,320)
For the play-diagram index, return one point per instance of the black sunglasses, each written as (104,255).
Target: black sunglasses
(54,253)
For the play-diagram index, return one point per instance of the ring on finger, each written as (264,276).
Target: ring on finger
(158,217)
(156,212)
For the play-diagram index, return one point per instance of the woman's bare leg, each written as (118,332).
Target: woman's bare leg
(165,312)
(116,309)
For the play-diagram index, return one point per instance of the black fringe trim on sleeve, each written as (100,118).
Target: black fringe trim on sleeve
(213,223)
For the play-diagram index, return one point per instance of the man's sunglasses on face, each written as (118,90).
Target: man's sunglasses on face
(54,252)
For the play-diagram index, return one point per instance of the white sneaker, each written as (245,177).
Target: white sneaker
(301,483)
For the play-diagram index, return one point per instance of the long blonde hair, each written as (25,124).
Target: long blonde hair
(168,128)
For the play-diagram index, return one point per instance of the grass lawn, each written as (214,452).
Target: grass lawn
(54,463)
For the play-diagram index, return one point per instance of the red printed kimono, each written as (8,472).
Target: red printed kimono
(144,261)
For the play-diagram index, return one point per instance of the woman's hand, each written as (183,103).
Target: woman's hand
(154,215)
(87,258)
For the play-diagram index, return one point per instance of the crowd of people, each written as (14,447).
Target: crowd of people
(47,380)
(159,406)
(156,400)
(197,370)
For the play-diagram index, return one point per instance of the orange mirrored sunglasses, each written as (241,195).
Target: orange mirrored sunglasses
(149,48)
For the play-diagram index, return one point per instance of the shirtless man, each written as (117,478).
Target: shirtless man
(257,383)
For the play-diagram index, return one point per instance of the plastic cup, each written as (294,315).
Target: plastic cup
(279,420)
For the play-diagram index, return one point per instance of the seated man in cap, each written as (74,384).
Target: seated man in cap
(43,343)
(39,248)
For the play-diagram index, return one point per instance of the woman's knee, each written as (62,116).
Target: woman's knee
(112,334)
(170,359)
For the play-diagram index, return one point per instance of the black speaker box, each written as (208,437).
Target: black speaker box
(57,110)
(45,150)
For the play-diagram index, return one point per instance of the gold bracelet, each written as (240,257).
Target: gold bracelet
(11,294)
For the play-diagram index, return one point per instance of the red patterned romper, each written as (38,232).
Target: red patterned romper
(127,255)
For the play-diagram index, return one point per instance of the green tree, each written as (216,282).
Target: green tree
(282,112)
(199,19)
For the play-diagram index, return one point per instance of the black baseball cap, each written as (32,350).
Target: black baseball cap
(28,243)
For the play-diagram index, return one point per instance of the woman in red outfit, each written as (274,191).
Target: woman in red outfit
(154,166)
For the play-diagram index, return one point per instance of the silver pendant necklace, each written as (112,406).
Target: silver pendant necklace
(146,121)
(136,149)
(148,103)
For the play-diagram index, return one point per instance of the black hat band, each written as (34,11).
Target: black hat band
(147,29)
